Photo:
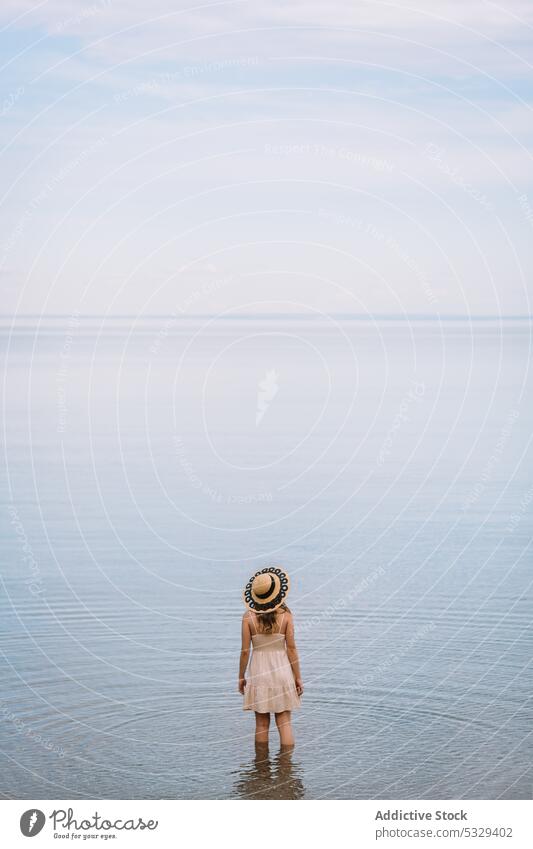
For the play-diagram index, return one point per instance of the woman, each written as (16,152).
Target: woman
(274,684)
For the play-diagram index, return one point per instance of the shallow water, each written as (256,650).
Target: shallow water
(153,466)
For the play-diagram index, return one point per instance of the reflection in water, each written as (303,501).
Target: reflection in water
(267,777)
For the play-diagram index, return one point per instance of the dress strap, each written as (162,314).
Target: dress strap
(252,623)
(280,624)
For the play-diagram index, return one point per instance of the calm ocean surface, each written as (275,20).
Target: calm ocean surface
(152,466)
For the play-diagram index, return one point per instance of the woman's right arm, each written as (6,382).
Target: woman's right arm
(292,653)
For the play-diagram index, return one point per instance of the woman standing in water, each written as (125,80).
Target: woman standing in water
(274,684)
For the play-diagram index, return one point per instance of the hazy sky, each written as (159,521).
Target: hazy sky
(266,156)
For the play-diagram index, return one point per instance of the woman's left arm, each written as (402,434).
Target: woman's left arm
(245,653)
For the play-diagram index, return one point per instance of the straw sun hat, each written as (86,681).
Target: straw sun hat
(266,590)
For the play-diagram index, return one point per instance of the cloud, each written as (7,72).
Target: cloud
(448,34)
(240,109)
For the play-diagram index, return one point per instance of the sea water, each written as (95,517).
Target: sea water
(152,466)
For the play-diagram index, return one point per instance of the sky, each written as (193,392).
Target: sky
(263,157)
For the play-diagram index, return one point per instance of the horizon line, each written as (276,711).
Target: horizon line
(270,316)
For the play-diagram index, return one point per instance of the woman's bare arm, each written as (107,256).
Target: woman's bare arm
(245,652)
(292,653)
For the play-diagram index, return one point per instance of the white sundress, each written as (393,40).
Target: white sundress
(270,686)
